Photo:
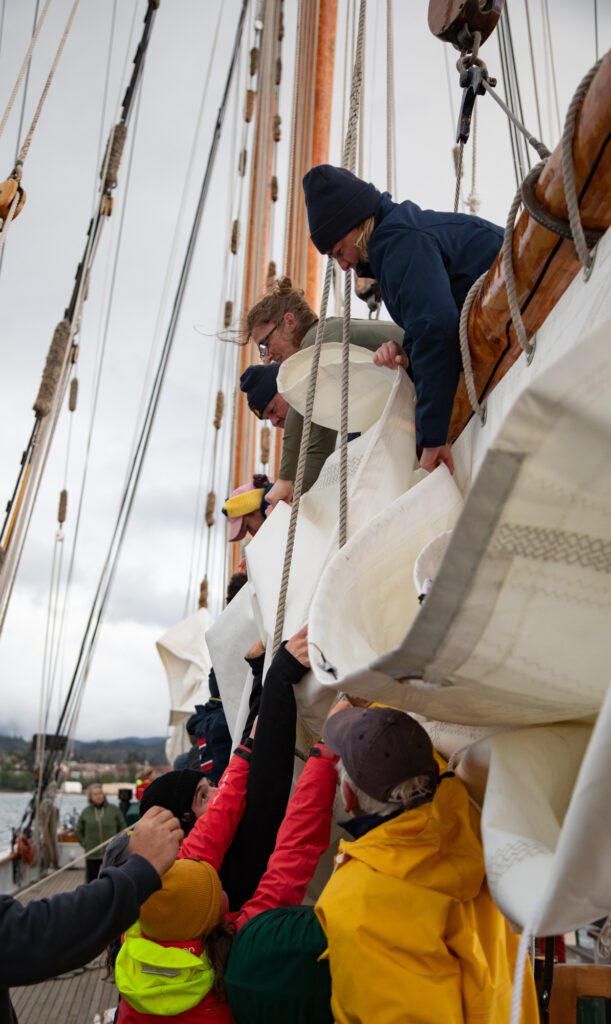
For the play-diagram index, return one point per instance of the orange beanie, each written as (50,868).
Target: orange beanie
(188,905)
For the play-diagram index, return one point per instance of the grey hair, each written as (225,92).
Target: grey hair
(403,795)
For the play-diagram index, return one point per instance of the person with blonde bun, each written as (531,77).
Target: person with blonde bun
(281,324)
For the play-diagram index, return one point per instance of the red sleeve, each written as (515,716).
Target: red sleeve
(302,837)
(213,832)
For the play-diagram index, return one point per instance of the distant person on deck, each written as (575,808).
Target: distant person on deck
(99,822)
(424,262)
(281,324)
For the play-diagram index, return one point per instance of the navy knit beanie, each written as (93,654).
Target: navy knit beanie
(259,385)
(336,201)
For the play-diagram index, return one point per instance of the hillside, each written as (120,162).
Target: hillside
(119,751)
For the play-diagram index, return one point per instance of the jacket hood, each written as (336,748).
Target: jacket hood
(437,843)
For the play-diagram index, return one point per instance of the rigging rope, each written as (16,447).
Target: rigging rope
(100,600)
(390,98)
(568,168)
(577,231)
(349,156)
(25,148)
(549,49)
(24,65)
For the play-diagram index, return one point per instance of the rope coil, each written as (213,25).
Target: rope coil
(242,159)
(218,410)
(274,188)
(228,316)
(52,370)
(278,70)
(210,506)
(277,129)
(116,143)
(250,105)
(63,507)
(254,61)
(73,394)
(74,354)
(568,168)
(203,593)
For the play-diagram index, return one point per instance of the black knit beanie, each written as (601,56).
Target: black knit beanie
(174,791)
(259,385)
(337,201)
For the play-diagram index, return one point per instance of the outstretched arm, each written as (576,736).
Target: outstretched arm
(213,832)
(302,838)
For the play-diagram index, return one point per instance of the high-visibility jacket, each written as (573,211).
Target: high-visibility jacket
(173,981)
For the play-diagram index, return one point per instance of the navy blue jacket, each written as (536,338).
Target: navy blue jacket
(425,262)
(50,936)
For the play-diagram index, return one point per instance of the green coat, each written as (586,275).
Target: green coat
(366,333)
(97,824)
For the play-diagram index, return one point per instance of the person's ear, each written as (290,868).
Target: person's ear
(290,320)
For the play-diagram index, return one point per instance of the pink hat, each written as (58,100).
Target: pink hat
(241,502)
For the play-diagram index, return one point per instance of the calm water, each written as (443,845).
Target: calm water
(12,806)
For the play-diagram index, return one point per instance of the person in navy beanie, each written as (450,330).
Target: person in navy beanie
(259,384)
(424,262)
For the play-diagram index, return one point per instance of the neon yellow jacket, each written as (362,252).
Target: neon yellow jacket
(161,979)
(413,935)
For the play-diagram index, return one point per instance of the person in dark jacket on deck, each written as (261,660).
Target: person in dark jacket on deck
(47,937)
(425,262)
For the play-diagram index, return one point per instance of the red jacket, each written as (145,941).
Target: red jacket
(302,837)
(209,1011)
(213,832)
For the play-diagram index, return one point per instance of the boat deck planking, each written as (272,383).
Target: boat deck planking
(73,998)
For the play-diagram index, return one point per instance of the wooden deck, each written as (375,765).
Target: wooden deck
(73,998)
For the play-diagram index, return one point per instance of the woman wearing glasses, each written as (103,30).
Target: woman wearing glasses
(281,324)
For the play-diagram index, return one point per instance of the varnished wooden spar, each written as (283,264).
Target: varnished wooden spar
(544,263)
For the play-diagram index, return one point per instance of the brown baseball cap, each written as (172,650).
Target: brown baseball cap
(380,748)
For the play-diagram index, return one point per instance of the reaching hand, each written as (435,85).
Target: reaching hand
(298,646)
(281,491)
(157,837)
(256,650)
(390,354)
(433,457)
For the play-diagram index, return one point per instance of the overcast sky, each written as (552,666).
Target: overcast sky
(127,692)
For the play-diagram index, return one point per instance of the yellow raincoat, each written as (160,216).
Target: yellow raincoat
(413,935)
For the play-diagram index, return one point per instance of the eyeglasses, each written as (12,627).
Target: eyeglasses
(263,345)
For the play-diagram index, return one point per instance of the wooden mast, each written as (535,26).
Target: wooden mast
(310,134)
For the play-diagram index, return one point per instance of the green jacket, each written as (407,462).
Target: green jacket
(96,824)
(366,333)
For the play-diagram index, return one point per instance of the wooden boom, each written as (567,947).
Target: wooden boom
(544,263)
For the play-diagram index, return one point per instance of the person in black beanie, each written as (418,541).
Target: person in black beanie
(259,385)
(424,262)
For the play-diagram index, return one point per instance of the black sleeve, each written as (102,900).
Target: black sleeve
(49,936)
(269,781)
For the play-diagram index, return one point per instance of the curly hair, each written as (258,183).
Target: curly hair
(283,298)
